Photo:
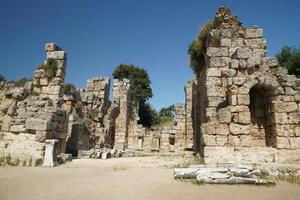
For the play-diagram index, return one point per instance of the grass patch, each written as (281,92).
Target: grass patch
(289,178)
(196,160)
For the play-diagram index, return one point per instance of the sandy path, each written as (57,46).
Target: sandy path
(123,178)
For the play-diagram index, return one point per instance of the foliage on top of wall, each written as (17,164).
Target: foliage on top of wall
(50,67)
(197,48)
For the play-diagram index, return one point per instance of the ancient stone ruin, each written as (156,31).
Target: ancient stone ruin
(241,108)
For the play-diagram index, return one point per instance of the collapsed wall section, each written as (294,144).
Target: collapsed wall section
(29,114)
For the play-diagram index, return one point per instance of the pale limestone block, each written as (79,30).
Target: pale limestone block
(217,51)
(254,33)
(225,42)
(242,53)
(244,118)
(238,129)
(243,99)
(216,72)
(283,143)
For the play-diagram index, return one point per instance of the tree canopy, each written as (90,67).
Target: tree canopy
(141,85)
(138,78)
(167,111)
(289,57)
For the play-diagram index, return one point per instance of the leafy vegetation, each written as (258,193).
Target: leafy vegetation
(70,89)
(148,115)
(21,82)
(197,49)
(2,78)
(139,78)
(141,84)
(289,57)
(50,67)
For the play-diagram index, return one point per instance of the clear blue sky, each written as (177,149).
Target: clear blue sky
(154,34)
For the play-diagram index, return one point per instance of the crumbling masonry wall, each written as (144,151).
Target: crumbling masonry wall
(250,106)
(30,114)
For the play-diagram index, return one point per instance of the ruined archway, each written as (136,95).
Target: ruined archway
(262,129)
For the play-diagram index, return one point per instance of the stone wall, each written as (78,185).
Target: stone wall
(250,104)
(30,114)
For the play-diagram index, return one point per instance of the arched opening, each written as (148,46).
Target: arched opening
(262,130)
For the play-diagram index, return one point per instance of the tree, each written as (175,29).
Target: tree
(167,111)
(139,78)
(2,78)
(141,85)
(289,57)
(148,115)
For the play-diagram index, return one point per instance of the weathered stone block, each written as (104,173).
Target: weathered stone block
(213,72)
(214,101)
(234,140)
(215,91)
(209,140)
(246,141)
(243,99)
(213,81)
(297,131)
(18,128)
(51,47)
(217,51)
(295,142)
(242,53)
(244,118)
(36,124)
(234,64)
(254,33)
(221,140)
(294,118)
(283,143)
(259,43)
(60,55)
(224,115)
(228,72)
(278,118)
(284,130)
(278,106)
(225,42)
(237,129)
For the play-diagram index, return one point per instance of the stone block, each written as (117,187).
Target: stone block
(234,64)
(297,131)
(258,43)
(253,62)
(215,91)
(270,62)
(242,53)
(228,72)
(234,140)
(278,118)
(283,130)
(238,129)
(51,47)
(217,51)
(254,33)
(59,55)
(209,140)
(214,101)
(294,118)
(224,115)
(213,81)
(238,80)
(237,42)
(218,62)
(51,152)
(246,141)
(221,140)
(283,143)
(36,124)
(243,99)
(283,107)
(244,118)
(17,128)
(225,42)
(295,142)
(233,100)
(215,72)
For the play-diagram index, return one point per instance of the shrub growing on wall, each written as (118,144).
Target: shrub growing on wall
(50,67)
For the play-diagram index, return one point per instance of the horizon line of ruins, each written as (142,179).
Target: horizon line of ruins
(242,107)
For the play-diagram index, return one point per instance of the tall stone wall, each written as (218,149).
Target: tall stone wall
(30,114)
(251,109)
(49,82)
(95,105)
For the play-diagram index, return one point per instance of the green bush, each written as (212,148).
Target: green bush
(289,57)
(70,89)
(197,48)
(50,67)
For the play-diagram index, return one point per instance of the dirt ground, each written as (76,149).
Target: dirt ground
(123,178)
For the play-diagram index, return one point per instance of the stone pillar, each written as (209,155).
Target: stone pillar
(51,152)
(121,106)
(49,77)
